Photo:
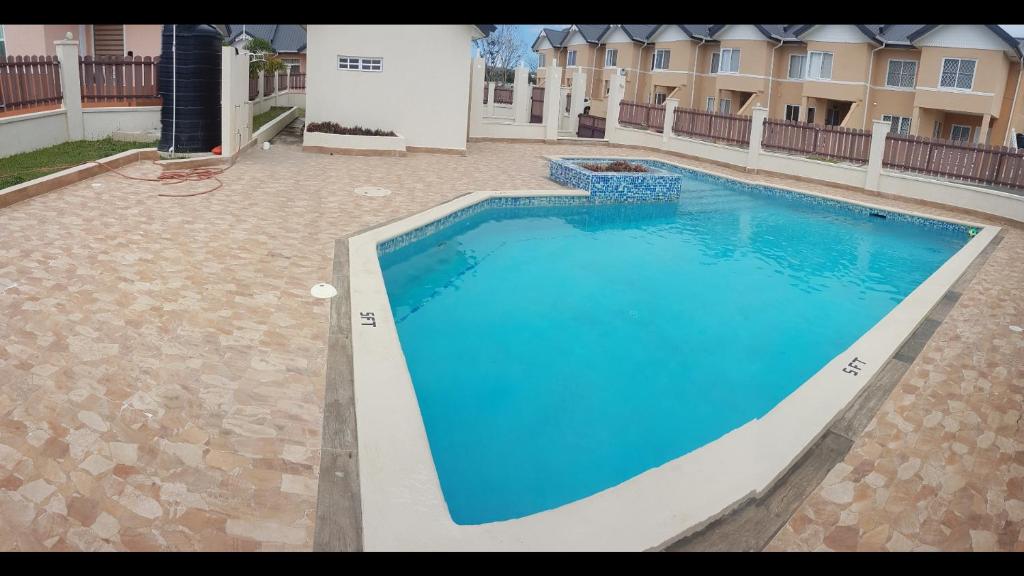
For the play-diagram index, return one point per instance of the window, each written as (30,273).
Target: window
(361,63)
(729,61)
(660,61)
(898,124)
(901,73)
(292,64)
(659,99)
(570,59)
(957,73)
(819,65)
(711,104)
(960,133)
(810,115)
(540,60)
(607,87)
(724,105)
(714,62)
(3,44)
(792,112)
(796,66)
(937,130)
(611,57)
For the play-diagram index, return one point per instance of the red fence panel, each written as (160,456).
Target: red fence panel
(980,163)
(642,116)
(27,81)
(119,80)
(537,105)
(729,128)
(832,142)
(297,82)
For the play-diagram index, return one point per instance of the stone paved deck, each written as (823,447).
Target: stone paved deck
(162,365)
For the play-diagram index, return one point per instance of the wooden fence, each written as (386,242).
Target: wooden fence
(832,142)
(120,79)
(590,127)
(297,82)
(642,116)
(537,105)
(27,81)
(980,163)
(711,126)
(254,88)
(268,84)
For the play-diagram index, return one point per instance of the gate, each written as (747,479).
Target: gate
(590,127)
(537,105)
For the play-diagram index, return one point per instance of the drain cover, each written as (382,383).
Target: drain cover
(323,290)
(372,191)
(1016,328)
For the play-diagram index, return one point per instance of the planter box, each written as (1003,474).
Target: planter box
(353,145)
(656,185)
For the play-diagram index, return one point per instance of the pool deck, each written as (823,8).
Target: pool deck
(162,364)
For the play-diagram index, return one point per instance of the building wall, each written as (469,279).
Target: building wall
(38,39)
(143,39)
(26,40)
(437,70)
(680,62)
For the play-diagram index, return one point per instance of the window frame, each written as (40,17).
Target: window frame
(608,52)
(666,61)
(937,130)
(663,98)
(3,42)
(360,63)
(727,105)
(831,67)
(888,72)
(716,60)
(570,57)
(710,104)
(803,67)
(898,125)
(540,60)
(731,52)
(953,127)
(954,88)
(797,115)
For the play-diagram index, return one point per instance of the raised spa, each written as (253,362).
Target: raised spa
(559,347)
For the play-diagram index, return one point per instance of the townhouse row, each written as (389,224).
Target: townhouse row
(956,82)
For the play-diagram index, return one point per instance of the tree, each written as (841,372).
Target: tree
(268,62)
(502,51)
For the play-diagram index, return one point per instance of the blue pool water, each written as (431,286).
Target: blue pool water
(559,350)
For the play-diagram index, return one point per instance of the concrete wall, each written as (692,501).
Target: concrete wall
(29,132)
(436,71)
(102,122)
(38,39)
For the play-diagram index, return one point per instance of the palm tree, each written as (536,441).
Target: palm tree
(268,63)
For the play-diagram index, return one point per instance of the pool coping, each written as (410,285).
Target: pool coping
(399,497)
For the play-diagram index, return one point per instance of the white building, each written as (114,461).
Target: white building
(413,80)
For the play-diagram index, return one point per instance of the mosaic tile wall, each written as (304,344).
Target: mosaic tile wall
(658,185)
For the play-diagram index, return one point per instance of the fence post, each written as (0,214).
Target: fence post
(476,97)
(521,92)
(616,89)
(879,132)
(552,102)
(71,86)
(490,99)
(757,118)
(670,115)
(579,82)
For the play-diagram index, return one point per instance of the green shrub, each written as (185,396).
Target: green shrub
(335,128)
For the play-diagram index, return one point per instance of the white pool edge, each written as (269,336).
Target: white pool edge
(402,504)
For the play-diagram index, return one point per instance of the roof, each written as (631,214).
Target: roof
(639,32)
(555,37)
(777,32)
(592,33)
(1005,36)
(870,31)
(283,37)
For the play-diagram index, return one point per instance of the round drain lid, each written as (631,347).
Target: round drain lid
(372,191)
(1016,328)
(323,290)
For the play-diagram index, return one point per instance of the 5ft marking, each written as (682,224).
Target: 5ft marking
(855,366)
(368,319)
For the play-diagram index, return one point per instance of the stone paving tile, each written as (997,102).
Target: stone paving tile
(162,365)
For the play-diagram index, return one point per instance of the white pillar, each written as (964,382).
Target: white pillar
(521,92)
(579,92)
(879,132)
(552,102)
(616,90)
(983,135)
(490,99)
(67,55)
(259,87)
(756,131)
(476,97)
(670,114)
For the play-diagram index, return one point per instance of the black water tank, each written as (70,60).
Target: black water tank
(196,91)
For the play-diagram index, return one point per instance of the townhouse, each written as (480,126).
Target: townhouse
(955,81)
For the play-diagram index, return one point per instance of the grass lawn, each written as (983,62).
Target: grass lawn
(260,119)
(30,165)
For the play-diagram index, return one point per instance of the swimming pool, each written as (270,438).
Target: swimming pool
(559,347)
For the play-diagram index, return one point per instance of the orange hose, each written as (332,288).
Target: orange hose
(179,176)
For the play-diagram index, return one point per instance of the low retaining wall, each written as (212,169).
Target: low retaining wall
(102,122)
(1004,204)
(63,178)
(28,132)
(508,131)
(272,128)
(287,98)
(353,145)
